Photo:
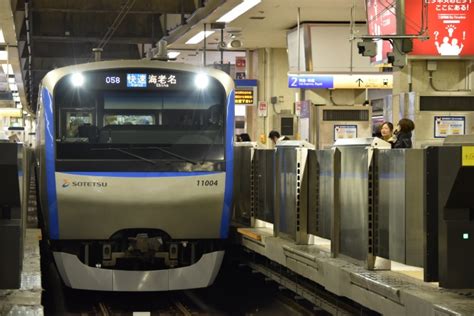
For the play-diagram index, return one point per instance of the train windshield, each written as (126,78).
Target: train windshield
(127,114)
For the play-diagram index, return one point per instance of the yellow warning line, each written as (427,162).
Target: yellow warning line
(250,234)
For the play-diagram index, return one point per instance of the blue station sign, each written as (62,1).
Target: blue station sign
(310,82)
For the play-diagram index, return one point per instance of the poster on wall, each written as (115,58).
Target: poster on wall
(449,125)
(450,27)
(381,20)
(240,65)
(345,131)
(262,109)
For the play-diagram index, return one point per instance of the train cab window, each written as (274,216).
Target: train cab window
(123,119)
(73,122)
(100,120)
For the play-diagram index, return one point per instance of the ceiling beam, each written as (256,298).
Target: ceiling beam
(104,11)
(74,39)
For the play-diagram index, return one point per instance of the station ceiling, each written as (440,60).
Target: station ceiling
(64,32)
(56,33)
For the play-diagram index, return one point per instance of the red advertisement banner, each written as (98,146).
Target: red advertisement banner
(381,21)
(450,27)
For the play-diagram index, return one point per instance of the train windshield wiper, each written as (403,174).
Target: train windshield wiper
(127,153)
(169,153)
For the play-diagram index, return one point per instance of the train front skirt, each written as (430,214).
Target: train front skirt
(77,275)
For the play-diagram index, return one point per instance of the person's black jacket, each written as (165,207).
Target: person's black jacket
(403,140)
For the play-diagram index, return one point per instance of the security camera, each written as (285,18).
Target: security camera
(397,59)
(222,45)
(367,48)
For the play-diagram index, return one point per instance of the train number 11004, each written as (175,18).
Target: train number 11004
(207,183)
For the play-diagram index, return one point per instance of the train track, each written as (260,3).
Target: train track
(177,305)
(104,310)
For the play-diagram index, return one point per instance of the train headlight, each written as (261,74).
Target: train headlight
(77,79)
(201,81)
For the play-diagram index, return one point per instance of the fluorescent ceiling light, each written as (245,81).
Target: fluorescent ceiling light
(19,105)
(16,99)
(7,69)
(173,55)
(11,79)
(238,11)
(13,87)
(199,37)
(2,38)
(3,55)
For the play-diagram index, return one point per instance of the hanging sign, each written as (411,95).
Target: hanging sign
(362,81)
(262,108)
(240,64)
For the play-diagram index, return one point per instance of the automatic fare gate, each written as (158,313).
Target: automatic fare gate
(254,184)
(358,198)
(291,195)
(12,219)
(450,213)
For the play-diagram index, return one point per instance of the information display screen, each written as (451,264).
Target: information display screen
(136,80)
(244,96)
(139,79)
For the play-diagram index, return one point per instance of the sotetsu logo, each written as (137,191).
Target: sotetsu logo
(84,184)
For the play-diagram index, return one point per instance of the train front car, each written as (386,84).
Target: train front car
(135,173)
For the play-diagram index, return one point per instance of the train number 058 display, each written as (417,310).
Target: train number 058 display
(112,80)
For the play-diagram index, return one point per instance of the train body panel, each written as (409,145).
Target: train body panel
(185,205)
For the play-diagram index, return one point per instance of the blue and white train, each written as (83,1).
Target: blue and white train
(135,167)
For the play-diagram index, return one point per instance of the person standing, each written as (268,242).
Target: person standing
(386,131)
(275,137)
(244,137)
(403,134)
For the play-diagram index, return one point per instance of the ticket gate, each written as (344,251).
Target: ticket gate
(11,219)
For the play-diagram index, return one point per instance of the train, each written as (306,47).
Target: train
(134,165)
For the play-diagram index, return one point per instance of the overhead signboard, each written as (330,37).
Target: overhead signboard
(311,81)
(364,81)
(450,27)
(10,112)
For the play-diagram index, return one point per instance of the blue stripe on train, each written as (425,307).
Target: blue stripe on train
(229,176)
(50,167)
